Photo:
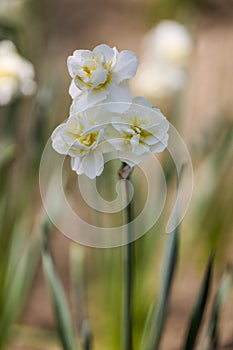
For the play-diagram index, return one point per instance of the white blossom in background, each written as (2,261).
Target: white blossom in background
(100,75)
(166,51)
(16,74)
(169,41)
(8,5)
(134,134)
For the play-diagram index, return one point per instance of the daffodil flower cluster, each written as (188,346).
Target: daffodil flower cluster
(103,116)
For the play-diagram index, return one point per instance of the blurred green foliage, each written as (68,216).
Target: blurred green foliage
(187,11)
(97,275)
(21,143)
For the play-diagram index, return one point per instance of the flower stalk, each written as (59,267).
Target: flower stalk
(124,174)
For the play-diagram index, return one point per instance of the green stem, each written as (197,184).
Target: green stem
(124,174)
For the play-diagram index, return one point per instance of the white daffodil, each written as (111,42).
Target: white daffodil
(100,75)
(16,74)
(170,42)
(9,5)
(79,138)
(132,130)
(139,132)
(166,52)
(159,80)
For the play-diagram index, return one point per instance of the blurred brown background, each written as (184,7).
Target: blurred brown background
(49,31)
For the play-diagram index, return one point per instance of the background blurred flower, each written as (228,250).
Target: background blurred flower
(100,75)
(6,5)
(166,52)
(16,74)
(169,41)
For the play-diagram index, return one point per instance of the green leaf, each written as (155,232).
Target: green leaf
(60,305)
(77,277)
(77,258)
(157,315)
(23,257)
(7,154)
(199,307)
(224,287)
(86,336)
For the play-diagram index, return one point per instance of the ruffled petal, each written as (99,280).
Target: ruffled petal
(119,144)
(76,164)
(92,164)
(76,60)
(57,140)
(105,53)
(150,140)
(88,99)
(159,147)
(98,77)
(119,93)
(142,101)
(74,91)
(126,65)
(141,149)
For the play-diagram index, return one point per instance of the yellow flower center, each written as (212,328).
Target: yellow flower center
(138,130)
(89,70)
(86,140)
(107,81)
(7,74)
(89,139)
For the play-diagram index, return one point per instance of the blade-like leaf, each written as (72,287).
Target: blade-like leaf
(168,274)
(77,277)
(7,155)
(61,309)
(77,273)
(86,336)
(199,308)
(157,315)
(23,257)
(213,332)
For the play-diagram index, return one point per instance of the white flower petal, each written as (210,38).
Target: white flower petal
(134,141)
(133,159)
(126,65)
(119,93)
(76,165)
(120,144)
(74,91)
(57,140)
(150,140)
(81,55)
(98,77)
(92,164)
(159,147)
(76,60)
(142,101)
(105,52)
(88,99)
